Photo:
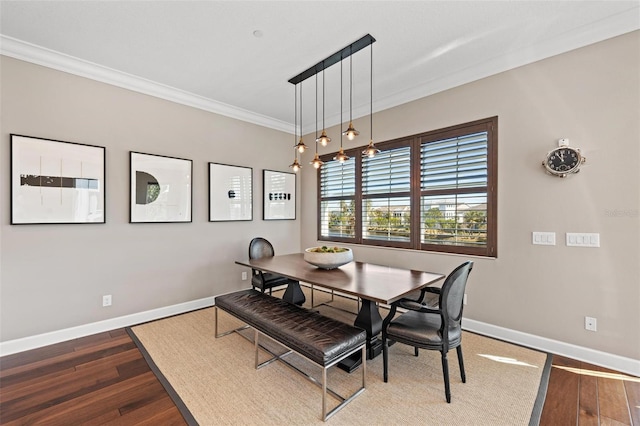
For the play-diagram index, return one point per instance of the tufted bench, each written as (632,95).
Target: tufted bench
(320,339)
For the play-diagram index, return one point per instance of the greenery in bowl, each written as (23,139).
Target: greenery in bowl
(325,249)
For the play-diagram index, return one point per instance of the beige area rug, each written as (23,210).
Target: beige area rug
(218,384)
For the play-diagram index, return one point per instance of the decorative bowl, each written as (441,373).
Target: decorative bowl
(328,260)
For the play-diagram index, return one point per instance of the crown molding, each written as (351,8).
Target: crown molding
(613,26)
(32,53)
(610,27)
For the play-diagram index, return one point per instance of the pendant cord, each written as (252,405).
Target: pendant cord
(350,87)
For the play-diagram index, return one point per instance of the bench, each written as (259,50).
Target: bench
(322,340)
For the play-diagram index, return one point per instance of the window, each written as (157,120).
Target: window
(433,191)
(386,202)
(337,205)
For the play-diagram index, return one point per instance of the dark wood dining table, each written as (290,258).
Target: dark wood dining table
(372,283)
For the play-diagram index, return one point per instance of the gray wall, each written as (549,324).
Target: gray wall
(591,96)
(53,276)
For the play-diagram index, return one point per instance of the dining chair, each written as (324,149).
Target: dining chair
(259,248)
(428,326)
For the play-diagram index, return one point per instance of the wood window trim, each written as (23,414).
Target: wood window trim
(414,141)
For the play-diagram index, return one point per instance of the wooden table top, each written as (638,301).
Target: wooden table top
(377,283)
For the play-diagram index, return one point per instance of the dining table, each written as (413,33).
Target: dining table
(373,284)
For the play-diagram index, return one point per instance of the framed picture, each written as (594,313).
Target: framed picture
(161,190)
(230,193)
(56,182)
(279,195)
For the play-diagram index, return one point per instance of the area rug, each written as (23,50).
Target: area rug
(213,381)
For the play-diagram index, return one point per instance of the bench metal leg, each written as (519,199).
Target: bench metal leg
(345,401)
(217,334)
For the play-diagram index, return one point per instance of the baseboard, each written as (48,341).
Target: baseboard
(614,362)
(592,356)
(19,345)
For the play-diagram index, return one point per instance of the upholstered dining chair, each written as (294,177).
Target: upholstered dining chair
(430,326)
(259,248)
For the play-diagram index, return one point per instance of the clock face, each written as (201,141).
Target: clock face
(563,160)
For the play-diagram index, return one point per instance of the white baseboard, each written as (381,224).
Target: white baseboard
(614,362)
(591,356)
(37,341)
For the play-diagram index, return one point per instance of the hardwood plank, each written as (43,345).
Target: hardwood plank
(612,401)
(632,389)
(561,404)
(161,411)
(66,360)
(588,414)
(83,408)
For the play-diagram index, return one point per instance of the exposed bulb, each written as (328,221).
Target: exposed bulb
(301,146)
(323,139)
(351,133)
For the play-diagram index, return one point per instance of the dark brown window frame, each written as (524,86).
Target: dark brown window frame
(490,125)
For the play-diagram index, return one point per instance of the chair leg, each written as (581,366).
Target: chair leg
(445,373)
(415,351)
(463,376)
(385,359)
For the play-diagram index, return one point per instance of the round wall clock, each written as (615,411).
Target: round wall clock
(563,160)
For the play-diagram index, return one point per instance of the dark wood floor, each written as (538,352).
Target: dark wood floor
(103,379)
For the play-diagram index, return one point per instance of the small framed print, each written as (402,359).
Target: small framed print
(161,190)
(230,193)
(56,182)
(279,195)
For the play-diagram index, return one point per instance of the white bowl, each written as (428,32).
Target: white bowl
(328,260)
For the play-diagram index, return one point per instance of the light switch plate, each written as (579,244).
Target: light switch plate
(581,239)
(543,238)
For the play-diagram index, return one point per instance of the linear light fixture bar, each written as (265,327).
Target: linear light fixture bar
(333,59)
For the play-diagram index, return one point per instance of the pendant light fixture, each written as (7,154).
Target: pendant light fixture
(341,156)
(323,139)
(351,132)
(301,147)
(317,162)
(295,165)
(371,150)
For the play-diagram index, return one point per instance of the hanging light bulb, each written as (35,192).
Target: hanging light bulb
(323,139)
(295,165)
(316,162)
(371,150)
(300,146)
(351,132)
(341,156)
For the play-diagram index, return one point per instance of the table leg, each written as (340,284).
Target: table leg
(370,320)
(293,293)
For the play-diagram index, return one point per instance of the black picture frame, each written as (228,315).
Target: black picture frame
(230,193)
(57,182)
(279,195)
(160,189)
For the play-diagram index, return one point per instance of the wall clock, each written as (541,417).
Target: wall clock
(563,160)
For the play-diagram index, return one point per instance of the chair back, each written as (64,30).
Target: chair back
(452,298)
(259,248)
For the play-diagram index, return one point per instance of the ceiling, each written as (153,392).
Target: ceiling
(205,53)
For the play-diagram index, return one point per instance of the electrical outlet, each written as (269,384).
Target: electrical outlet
(590,323)
(106,300)
(244,276)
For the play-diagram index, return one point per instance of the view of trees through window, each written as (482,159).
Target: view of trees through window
(453,208)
